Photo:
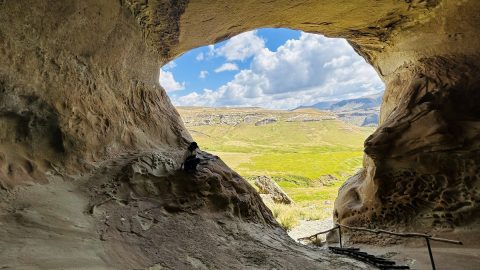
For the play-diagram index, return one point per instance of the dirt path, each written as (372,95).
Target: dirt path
(310,227)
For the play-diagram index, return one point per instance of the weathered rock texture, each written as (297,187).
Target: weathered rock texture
(79,93)
(266,185)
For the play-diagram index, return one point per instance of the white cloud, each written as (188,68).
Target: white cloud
(200,57)
(300,72)
(226,67)
(168,82)
(211,50)
(241,47)
(207,98)
(169,65)
(203,74)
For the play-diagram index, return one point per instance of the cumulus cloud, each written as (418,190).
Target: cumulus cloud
(200,57)
(241,47)
(203,74)
(300,72)
(226,67)
(211,50)
(206,98)
(168,82)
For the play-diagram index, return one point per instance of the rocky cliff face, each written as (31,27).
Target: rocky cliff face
(361,111)
(81,113)
(204,116)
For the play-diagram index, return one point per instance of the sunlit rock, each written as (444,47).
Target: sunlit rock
(80,106)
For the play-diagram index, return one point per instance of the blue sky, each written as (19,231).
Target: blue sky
(270,68)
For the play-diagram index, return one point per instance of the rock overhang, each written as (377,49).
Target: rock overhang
(86,75)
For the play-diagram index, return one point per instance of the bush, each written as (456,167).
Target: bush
(289,216)
(284,214)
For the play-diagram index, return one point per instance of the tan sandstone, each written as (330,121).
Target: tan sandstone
(90,144)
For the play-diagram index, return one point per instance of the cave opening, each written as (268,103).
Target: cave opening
(283,108)
(90,144)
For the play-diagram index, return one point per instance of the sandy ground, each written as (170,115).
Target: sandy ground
(310,227)
(45,227)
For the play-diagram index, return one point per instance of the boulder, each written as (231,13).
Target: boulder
(266,185)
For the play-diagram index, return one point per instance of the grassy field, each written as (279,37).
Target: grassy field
(297,155)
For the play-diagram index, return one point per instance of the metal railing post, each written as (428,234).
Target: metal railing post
(430,253)
(340,236)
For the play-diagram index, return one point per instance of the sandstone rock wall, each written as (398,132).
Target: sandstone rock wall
(78,84)
(79,97)
(421,165)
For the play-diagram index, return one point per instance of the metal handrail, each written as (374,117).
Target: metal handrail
(427,237)
(317,234)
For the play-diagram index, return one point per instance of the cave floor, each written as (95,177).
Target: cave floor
(415,254)
(417,258)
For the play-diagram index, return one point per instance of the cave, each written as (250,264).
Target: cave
(90,143)
(280,106)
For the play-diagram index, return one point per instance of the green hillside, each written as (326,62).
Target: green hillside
(296,154)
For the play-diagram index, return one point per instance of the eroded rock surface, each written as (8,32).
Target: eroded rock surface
(139,211)
(89,142)
(266,185)
(422,162)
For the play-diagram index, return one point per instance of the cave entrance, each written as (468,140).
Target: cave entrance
(280,105)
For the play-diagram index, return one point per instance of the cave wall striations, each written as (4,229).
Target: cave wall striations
(84,123)
(78,84)
(422,163)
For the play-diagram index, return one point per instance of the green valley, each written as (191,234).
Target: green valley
(308,152)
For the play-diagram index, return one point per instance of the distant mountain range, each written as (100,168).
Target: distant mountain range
(363,111)
(363,103)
